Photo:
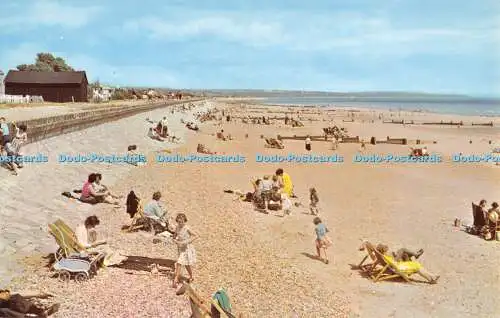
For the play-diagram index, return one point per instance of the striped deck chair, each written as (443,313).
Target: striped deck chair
(66,239)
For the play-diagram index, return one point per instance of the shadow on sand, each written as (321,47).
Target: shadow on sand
(140,263)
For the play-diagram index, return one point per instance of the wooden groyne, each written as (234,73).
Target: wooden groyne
(490,124)
(446,123)
(295,137)
(42,128)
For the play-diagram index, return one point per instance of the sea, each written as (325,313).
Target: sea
(470,106)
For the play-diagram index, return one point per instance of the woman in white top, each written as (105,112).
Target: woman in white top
(87,237)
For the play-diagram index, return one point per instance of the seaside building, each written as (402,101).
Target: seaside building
(59,87)
(102,93)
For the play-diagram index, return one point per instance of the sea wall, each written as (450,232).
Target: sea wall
(42,128)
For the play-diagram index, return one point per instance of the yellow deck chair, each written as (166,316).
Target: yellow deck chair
(392,269)
(66,239)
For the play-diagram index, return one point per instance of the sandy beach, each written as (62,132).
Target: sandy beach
(264,260)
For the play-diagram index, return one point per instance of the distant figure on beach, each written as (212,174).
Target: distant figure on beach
(308,143)
(184,238)
(363,145)
(154,135)
(323,242)
(220,135)
(164,128)
(313,201)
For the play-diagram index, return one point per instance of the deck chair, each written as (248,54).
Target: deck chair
(392,269)
(66,239)
(136,224)
(199,308)
(478,215)
(369,268)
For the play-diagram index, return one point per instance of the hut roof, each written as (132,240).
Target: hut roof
(30,77)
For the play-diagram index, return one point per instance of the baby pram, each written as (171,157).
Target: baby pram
(79,268)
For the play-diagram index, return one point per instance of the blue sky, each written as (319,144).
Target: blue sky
(441,46)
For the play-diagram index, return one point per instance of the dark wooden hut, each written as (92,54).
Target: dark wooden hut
(59,87)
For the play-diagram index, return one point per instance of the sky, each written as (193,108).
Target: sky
(434,46)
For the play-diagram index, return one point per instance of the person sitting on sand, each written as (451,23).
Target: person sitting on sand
(156,213)
(202,149)
(258,197)
(87,237)
(285,182)
(220,135)
(399,258)
(90,195)
(322,240)
(153,134)
(274,203)
(101,188)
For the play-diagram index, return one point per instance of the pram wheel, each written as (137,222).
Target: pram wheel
(81,277)
(64,276)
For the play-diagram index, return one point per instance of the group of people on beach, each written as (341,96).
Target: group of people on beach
(11,144)
(273,193)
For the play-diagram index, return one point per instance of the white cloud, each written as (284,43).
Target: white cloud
(245,30)
(48,13)
(350,31)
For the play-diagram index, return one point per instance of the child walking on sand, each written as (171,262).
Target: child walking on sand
(184,238)
(322,240)
(313,204)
